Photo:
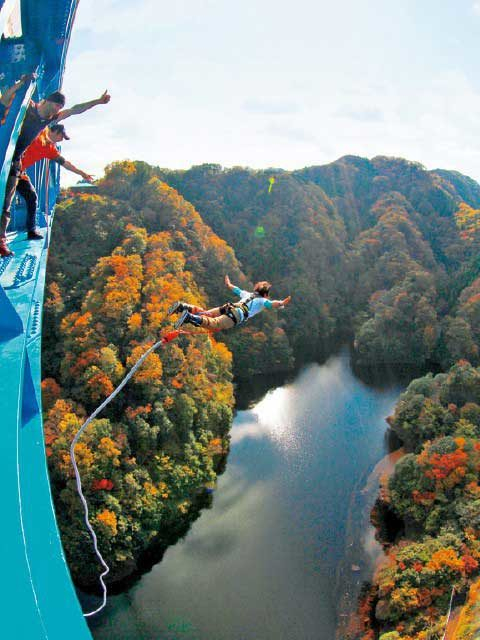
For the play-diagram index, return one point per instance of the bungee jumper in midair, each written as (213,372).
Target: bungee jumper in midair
(230,314)
(224,317)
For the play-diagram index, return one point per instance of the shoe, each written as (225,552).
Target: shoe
(181,320)
(33,235)
(176,307)
(5,252)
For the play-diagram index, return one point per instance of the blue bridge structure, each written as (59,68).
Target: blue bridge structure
(38,600)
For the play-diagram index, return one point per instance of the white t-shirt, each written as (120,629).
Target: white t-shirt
(254,306)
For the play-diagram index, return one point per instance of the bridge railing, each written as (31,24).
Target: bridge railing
(39,600)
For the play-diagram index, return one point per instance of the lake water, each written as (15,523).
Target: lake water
(268,560)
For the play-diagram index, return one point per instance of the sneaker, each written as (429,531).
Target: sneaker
(181,320)
(33,235)
(5,252)
(176,307)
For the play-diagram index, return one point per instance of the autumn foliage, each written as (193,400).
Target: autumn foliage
(435,492)
(148,457)
(369,249)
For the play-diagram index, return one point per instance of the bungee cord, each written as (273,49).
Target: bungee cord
(168,337)
(449,613)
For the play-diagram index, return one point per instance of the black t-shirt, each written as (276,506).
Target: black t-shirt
(32,125)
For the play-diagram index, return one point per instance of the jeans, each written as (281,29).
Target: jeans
(18,181)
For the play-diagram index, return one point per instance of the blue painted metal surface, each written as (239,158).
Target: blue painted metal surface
(37,597)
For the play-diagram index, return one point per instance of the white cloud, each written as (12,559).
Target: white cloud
(365,114)
(271,106)
(476,8)
(198,81)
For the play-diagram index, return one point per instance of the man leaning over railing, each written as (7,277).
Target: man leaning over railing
(43,148)
(37,117)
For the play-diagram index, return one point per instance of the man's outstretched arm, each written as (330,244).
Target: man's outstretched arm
(71,167)
(82,107)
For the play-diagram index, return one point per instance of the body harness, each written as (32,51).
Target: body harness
(228,309)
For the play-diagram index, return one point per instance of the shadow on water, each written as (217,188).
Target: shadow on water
(381,376)
(151,556)
(249,391)
(264,561)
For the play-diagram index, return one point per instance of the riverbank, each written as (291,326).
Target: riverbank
(363,553)
(262,561)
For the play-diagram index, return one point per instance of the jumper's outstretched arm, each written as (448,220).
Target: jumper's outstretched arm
(279,304)
(228,283)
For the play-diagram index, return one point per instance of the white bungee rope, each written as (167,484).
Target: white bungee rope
(77,474)
(449,613)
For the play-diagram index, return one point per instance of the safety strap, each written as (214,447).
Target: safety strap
(228,310)
(243,306)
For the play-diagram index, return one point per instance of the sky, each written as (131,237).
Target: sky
(264,83)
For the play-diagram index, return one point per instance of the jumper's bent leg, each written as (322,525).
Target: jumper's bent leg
(217,323)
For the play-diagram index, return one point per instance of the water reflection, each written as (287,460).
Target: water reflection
(261,564)
(270,418)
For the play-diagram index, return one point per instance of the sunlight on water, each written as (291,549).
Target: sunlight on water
(262,563)
(281,415)
(272,418)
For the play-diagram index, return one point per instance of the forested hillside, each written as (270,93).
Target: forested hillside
(368,248)
(115,267)
(382,253)
(434,494)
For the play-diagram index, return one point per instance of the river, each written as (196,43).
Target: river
(272,559)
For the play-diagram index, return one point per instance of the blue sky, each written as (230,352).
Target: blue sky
(274,84)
